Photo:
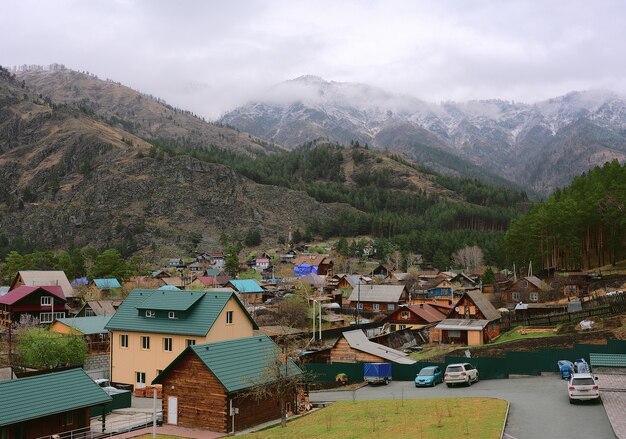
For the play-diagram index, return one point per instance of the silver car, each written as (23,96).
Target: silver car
(582,387)
(460,373)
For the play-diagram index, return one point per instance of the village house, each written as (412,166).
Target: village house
(355,347)
(44,303)
(529,289)
(250,292)
(152,327)
(106,286)
(473,321)
(203,385)
(204,282)
(383,271)
(439,286)
(99,308)
(26,414)
(378,298)
(416,316)
(40,278)
(92,329)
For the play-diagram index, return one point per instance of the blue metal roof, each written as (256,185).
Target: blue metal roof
(246,286)
(107,283)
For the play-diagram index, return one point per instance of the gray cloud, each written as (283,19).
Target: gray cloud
(211,56)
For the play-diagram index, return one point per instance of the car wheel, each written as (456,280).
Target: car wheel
(386,381)
(571,401)
(477,377)
(469,382)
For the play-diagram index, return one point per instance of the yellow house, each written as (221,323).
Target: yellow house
(152,327)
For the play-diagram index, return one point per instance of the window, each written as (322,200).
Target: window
(190,342)
(229,317)
(46,300)
(376,307)
(140,379)
(89,312)
(516,296)
(454,334)
(150,313)
(167,344)
(391,306)
(172,315)
(145,342)
(402,327)
(405,315)
(523,284)
(47,317)
(67,418)
(123,340)
(392,327)
(359,306)
(159,371)
(534,297)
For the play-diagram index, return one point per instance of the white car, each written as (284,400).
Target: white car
(582,387)
(460,373)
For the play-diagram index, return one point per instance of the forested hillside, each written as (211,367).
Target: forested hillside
(583,225)
(401,204)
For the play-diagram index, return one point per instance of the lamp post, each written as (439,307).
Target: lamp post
(358,304)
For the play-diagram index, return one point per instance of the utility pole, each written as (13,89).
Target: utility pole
(358,304)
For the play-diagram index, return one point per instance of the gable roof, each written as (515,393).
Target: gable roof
(87,325)
(427,311)
(462,324)
(67,390)
(213,280)
(238,364)
(246,285)
(104,284)
(313,260)
(484,305)
(536,282)
(377,293)
(22,291)
(198,320)
(43,278)
(171,302)
(213,272)
(102,307)
(359,341)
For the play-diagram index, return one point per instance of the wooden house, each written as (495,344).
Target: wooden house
(152,327)
(250,292)
(92,329)
(355,347)
(50,404)
(569,284)
(106,286)
(378,298)
(206,385)
(439,286)
(43,303)
(473,321)
(528,289)
(99,308)
(205,282)
(416,316)
(383,270)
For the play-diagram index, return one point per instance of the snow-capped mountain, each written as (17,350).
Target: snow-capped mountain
(540,146)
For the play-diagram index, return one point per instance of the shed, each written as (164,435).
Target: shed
(355,347)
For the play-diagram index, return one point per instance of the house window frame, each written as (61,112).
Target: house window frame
(48,317)
(46,300)
(145,342)
(168,343)
(172,315)
(533,296)
(359,305)
(124,341)
(89,313)
(523,284)
(391,307)
(140,378)
(150,313)
(454,333)
(229,317)
(190,342)
(376,306)
(516,296)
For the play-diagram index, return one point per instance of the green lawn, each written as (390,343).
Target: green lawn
(434,351)
(514,335)
(412,418)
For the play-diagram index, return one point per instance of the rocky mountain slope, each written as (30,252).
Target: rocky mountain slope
(145,116)
(70,179)
(539,146)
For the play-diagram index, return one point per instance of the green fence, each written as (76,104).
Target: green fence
(121,400)
(514,363)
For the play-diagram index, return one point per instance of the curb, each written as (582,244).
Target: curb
(506,418)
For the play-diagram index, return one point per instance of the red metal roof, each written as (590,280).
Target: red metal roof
(428,312)
(22,291)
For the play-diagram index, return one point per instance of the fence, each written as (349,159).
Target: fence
(514,363)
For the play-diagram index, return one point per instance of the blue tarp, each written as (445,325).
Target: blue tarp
(304,269)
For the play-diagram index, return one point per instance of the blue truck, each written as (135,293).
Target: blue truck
(376,373)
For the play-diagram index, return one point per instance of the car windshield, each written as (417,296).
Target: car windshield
(455,368)
(583,382)
(427,372)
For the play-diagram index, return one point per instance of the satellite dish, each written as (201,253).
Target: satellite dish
(456,309)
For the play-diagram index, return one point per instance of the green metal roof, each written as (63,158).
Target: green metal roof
(238,364)
(87,325)
(34,397)
(197,321)
(213,272)
(171,300)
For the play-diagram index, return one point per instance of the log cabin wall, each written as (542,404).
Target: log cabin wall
(342,352)
(202,400)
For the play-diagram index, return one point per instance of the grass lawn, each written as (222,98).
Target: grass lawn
(433,351)
(514,335)
(412,418)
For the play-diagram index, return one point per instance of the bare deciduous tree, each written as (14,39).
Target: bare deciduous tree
(470,258)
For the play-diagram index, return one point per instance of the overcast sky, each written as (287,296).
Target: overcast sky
(209,56)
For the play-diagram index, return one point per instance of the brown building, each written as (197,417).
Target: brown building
(416,316)
(529,289)
(206,383)
(473,321)
(320,264)
(49,404)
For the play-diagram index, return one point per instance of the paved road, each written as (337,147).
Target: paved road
(539,406)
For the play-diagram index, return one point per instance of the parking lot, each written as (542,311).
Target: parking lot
(539,406)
